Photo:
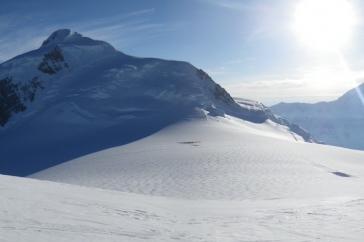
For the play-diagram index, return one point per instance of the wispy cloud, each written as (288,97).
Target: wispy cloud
(314,85)
(23,33)
(15,38)
(112,22)
(276,90)
(236,4)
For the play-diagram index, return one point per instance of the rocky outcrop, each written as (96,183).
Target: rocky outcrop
(13,97)
(53,62)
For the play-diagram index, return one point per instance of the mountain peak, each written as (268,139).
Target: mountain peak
(58,36)
(66,36)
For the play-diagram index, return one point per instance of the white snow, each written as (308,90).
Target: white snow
(219,179)
(218,158)
(250,104)
(32,210)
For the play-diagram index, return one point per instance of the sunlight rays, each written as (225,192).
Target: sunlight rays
(324,24)
(326,27)
(349,72)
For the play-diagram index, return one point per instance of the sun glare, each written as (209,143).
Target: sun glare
(324,24)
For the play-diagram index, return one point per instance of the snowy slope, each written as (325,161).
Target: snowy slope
(219,158)
(339,122)
(75,95)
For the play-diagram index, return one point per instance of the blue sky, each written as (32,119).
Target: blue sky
(247,46)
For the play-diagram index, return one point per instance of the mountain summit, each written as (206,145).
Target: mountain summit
(66,36)
(75,95)
(60,36)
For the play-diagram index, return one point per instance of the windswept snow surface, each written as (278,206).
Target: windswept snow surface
(32,210)
(219,158)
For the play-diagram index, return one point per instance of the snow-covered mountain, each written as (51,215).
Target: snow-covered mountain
(179,159)
(75,95)
(339,122)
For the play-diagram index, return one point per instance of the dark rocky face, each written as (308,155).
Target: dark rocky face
(10,101)
(53,62)
(13,97)
(219,92)
(223,95)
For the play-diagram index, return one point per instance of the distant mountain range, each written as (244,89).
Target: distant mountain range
(339,123)
(75,95)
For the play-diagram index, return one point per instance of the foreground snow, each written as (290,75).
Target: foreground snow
(32,210)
